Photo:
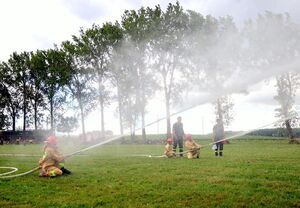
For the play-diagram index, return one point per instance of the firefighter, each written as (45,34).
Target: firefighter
(193,149)
(52,162)
(169,149)
(178,134)
(219,135)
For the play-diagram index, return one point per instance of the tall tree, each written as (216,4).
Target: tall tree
(137,28)
(118,78)
(224,109)
(271,45)
(98,43)
(123,76)
(56,76)
(38,69)
(168,31)
(80,85)
(273,48)
(287,86)
(20,65)
(4,99)
(13,97)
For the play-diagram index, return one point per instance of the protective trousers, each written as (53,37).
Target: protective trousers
(219,149)
(193,154)
(52,171)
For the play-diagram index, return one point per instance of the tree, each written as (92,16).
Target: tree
(137,29)
(271,45)
(287,85)
(57,75)
(13,98)
(67,124)
(80,84)
(273,48)
(4,98)
(214,55)
(168,31)
(98,43)
(223,109)
(37,73)
(118,78)
(123,76)
(19,65)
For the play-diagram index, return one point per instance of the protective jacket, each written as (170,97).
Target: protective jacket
(193,149)
(51,162)
(169,150)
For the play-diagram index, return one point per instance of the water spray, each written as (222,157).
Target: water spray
(229,138)
(7,176)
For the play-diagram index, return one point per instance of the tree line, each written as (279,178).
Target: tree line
(150,52)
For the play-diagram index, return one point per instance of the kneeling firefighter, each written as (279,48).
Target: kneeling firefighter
(52,162)
(193,149)
(169,149)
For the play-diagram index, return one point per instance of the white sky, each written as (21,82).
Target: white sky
(38,24)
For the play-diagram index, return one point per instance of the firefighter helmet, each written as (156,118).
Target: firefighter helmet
(51,140)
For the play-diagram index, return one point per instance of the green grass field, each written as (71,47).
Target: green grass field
(252,173)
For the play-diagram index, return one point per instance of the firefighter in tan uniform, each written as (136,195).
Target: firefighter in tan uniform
(169,149)
(52,162)
(193,149)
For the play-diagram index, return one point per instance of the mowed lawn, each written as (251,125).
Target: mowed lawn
(252,173)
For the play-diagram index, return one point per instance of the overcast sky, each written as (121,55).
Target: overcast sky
(38,24)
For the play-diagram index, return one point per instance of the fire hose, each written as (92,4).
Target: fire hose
(7,175)
(226,139)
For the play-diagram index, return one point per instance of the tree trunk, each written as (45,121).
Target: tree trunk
(143,125)
(102,116)
(120,114)
(35,115)
(14,121)
(82,121)
(24,107)
(167,103)
(101,101)
(131,133)
(290,131)
(168,116)
(121,119)
(51,115)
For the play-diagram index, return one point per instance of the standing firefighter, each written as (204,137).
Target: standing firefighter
(169,149)
(178,135)
(52,162)
(192,147)
(219,136)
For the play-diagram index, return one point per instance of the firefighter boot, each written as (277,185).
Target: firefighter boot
(65,171)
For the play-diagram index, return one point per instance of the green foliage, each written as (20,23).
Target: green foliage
(95,46)
(57,71)
(278,132)
(67,124)
(57,75)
